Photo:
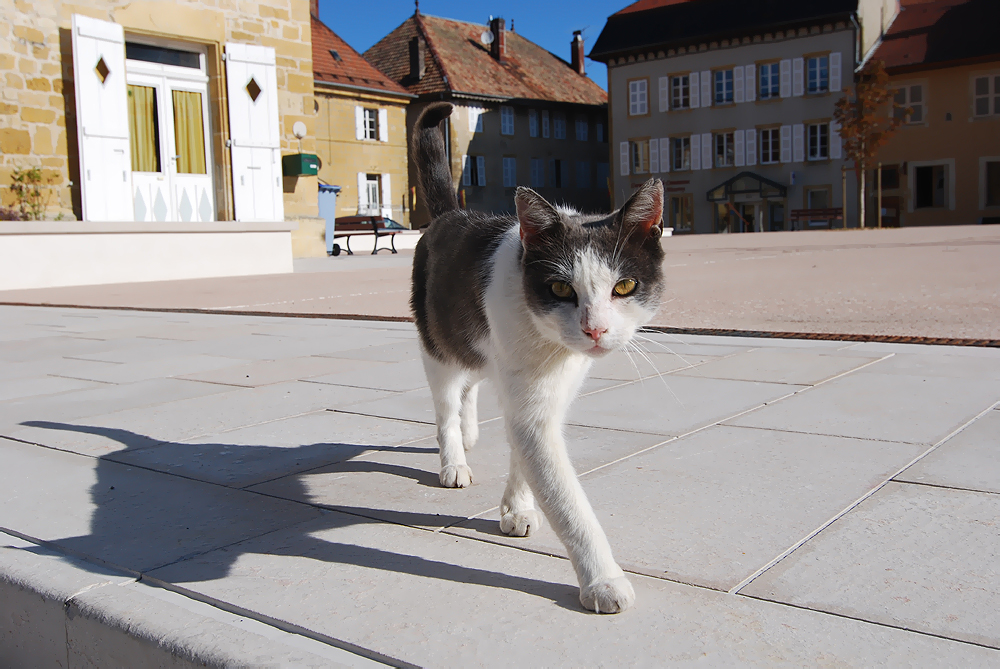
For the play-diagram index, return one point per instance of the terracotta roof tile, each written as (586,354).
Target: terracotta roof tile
(348,67)
(457,62)
(934,32)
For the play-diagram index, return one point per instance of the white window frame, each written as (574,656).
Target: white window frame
(724,83)
(728,145)
(635,154)
(771,146)
(983,162)
(373,186)
(903,96)
(911,168)
(476,119)
(678,147)
(772,89)
(638,97)
(506,120)
(815,133)
(818,64)
(680,91)
(992,94)
(369,123)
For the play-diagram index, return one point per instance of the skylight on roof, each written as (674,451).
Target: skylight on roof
(336,56)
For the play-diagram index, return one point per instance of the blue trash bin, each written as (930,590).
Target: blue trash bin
(328,211)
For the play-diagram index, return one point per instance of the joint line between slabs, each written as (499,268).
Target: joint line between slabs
(798,544)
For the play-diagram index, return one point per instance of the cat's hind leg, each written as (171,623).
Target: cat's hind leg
(448,383)
(470,413)
(518,515)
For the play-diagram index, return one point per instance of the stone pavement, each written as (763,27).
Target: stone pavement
(188,489)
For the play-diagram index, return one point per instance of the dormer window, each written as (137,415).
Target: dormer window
(336,56)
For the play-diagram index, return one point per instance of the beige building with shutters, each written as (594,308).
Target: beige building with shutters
(159,112)
(733,107)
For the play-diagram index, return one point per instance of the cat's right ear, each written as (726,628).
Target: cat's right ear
(535,215)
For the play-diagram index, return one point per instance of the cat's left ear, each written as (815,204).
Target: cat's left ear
(535,215)
(644,210)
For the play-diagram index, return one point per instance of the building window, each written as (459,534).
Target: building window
(537,173)
(911,97)
(818,198)
(770,146)
(545,123)
(723,87)
(725,149)
(604,175)
(680,150)
(474,172)
(370,124)
(818,74)
(599,131)
(556,169)
(509,172)
(581,129)
(582,174)
(373,189)
(987,91)
(506,120)
(991,184)
(532,123)
(638,102)
(680,92)
(638,150)
(931,186)
(559,126)
(680,212)
(770,81)
(818,141)
(475,119)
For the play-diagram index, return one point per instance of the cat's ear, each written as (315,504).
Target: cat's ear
(644,210)
(535,215)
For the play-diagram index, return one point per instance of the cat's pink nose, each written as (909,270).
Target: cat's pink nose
(594,332)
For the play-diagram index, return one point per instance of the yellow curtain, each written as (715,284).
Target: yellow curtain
(143,129)
(189,133)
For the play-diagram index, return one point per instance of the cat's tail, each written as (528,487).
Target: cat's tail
(427,146)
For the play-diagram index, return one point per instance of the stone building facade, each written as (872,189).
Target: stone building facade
(173,54)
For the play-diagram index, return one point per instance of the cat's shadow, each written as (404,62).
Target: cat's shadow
(127,530)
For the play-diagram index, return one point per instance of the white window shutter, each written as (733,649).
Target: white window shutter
(836,152)
(654,156)
(362,193)
(835,71)
(255,133)
(102,120)
(706,150)
(750,76)
(466,172)
(785,68)
(386,196)
(798,143)
(693,90)
(664,93)
(472,118)
(664,154)
(738,84)
(383,125)
(481,170)
(623,158)
(359,123)
(706,88)
(695,152)
(786,143)
(798,77)
(751,147)
(739,160)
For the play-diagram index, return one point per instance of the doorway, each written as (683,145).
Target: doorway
(169,134)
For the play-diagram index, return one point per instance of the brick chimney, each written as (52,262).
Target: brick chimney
(576,49)
(418,47)
(314,8)
(498,48)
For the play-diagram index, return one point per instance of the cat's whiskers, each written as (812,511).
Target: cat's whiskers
(666,348)
(660,374)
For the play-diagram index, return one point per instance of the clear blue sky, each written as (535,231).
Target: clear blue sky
(361,23)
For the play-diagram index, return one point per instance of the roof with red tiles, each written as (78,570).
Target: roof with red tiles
(337,64)
(457,63)
(933,33)
(643,5)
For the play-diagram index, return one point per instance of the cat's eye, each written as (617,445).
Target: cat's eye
(625,287)
(562,290)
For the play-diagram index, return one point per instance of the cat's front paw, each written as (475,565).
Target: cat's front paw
(456,476)
(521,523)
(609,596)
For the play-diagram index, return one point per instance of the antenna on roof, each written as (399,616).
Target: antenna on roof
(486,37)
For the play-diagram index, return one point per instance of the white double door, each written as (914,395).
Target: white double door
(170,143)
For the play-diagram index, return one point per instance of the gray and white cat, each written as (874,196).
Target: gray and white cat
(529,302)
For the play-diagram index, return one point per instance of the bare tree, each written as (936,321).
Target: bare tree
(865,122)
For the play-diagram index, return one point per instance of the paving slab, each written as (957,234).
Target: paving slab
(400,484)
(672,404)
(398,376)
(437,600)
(970,459)
(246,456)
(635,366)
(689,510)
(127,516)
(869,404)
(912,556)
(770,365)
(266,372)
(19,388)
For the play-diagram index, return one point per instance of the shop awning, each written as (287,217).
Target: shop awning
(746,183)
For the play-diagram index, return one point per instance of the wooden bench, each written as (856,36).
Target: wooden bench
(352,226)
(829,214)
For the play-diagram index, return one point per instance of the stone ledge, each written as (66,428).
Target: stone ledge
(114,227)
